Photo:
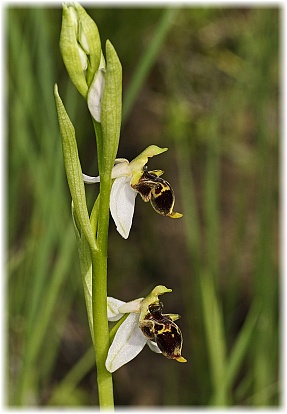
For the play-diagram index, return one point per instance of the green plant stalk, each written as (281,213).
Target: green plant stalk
(99,298)
(107,142)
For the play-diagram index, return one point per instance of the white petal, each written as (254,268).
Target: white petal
(95,95)
(121,168)
(74,16)
(153,346)
(122,204)
(83,58)
(113,309)
(90,180)
(127,343)
(96,91)
(133,306)
(82,39)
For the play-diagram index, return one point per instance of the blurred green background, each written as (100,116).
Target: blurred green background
(203,82)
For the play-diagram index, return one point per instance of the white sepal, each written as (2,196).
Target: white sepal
(127,344)
(113,309)
(153,346)
(133,306)
(96,91)
(90,180)
(83,58)
(122,204)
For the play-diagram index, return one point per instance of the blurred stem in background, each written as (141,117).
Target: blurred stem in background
(258,332)
(42,226)
(147,60)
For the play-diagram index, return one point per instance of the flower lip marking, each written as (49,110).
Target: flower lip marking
(158,191)
(161,329)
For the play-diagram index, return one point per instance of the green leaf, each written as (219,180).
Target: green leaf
(242,343)
(213,321)
(74,171)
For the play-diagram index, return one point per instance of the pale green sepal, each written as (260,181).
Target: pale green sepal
(86,268)
(74,171)
(111,110)
(138,163)
(69,46)
(89,38)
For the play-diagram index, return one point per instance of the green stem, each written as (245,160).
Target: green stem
(99,294)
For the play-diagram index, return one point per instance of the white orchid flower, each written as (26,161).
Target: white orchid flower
(145,324)
(131,178)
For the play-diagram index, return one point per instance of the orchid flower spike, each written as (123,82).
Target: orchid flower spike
(131,178)
(145,324)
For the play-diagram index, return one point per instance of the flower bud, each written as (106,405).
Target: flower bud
(80,46)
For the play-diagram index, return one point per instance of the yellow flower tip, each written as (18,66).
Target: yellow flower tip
(160,290)
(181,359)
(175,215)
(153,150)
(152,298)
(138,163)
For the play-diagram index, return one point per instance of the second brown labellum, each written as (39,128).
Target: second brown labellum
(161,329)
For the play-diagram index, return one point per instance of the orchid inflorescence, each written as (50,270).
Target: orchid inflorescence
(141,321)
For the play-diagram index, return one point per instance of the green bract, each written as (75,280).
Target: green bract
(74,170)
